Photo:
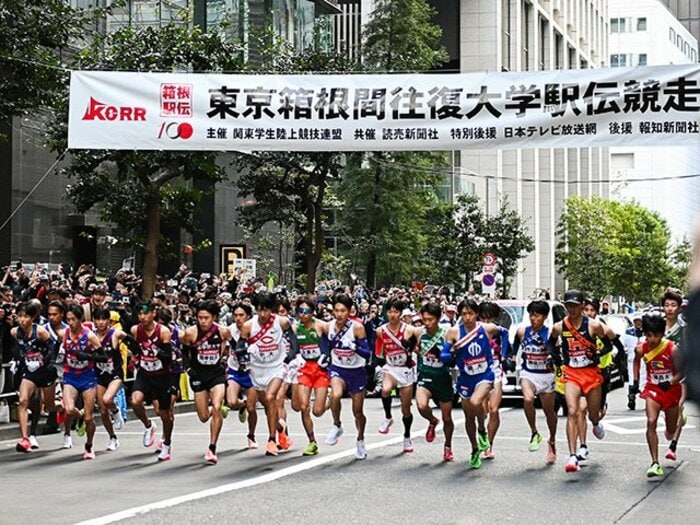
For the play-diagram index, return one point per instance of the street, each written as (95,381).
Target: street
(56,486)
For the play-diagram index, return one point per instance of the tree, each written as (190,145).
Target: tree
(680,259)
(140,191)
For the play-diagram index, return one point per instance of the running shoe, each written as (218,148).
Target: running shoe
(149,435)
(113,444)
(551,453)
(33,442)
(159,446)
(67,442)
(599,431)
(89,454)
(582,454)
(333,435)
(385,425)
(210,457)
(311,449)
(224,411)
(483,441)
(23,445)
(252,444)
(408,445)
(80,425)
(488,453)
(271,449)
(165,453)
(117,419)
(360,450)
(285,442)
(655,471)
(475,460)
(430,433)
(535,441)
(670,454)
(572,465)
(447,454)
(243,414)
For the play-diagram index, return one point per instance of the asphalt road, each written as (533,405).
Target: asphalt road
(56,486)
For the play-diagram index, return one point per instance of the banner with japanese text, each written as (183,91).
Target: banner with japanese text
(643,106)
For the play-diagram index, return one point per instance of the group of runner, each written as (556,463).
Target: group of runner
(271,347)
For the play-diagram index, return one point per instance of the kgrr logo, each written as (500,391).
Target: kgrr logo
(175,130)
(97,110)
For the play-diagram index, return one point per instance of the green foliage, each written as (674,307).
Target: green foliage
(614,248)
(680,260)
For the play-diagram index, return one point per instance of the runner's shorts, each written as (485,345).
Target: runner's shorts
(466,385)
(155,386)
(42,377)
(204,379)
(499,378)
(263,376)
(81,382)
(543,383)
(586,378)
(439,386)
(313,376)
(355,378)
(105,378)
(404,375)
(666,400)
(242,379)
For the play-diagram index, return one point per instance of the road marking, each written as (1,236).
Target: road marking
(609,424)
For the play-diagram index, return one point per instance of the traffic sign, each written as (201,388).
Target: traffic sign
(488,279)
(489,259)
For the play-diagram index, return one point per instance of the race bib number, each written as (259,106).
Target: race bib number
(475,367)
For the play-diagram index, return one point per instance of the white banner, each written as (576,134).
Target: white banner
(644,106)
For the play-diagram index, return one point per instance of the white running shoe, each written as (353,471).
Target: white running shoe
(385,425)
(113,444)
(582,453)
(361,452)
(599,431)
(149,435)
(165,453)
(33,442)
(67,442)
(408,445)
(117,419)
(333,435)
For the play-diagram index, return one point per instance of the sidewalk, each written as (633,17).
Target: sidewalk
(10,431)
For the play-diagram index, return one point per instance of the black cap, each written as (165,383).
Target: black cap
(573,297)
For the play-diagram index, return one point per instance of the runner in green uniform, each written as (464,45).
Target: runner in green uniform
(434,380)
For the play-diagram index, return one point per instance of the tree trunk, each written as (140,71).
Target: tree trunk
(150,252)
(372,255)
(315,218)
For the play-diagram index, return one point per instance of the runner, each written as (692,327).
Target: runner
(284,442)
(537,376)
(467,345)
(349,354)
(110,375)
(675,331)
(313,372)
(203,350)
(152,348)
(262,337)
(55,312)
(178,377)
(36,355)
(434,380)
(395,343)
(579,356)
(238,378)
(80,351)
(662,391)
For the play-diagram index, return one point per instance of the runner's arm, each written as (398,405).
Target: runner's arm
(293,343)
(361,343)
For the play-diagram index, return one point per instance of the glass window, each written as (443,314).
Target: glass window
(642,61)
(618,60)
(671,35)
(614,25)
(641,24)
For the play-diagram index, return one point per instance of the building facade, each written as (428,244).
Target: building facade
(535,35)
(688,13)
(645,32)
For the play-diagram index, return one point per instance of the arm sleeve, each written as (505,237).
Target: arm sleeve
(378,347)
(293,343)
(132,345)
(516,344)
(325,345)
(607,345)
(165,354)
(554,351)
(446,355)
(362,348)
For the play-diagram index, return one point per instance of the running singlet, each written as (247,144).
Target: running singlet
(342,343)
(114,356)
(176,365)
(427,360)
(150,346)
(473,351)
(52,333)
(534,353)
(309,341)
(232,362)
(266,346)
(33,352)
(659,361)
(206,350)
(577,345)
(71,347)
(394,352)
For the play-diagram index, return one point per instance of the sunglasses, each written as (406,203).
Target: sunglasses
(304,311)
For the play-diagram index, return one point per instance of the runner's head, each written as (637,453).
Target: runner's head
(342,304)
(146,312)
(394,307)
(671,302)
(469,311)
(430,313)
(654,328)
(207,312)
(538,312)
(101,318)
(305,308)
(573,300)
(26,313)
(591,307)
(55,312)
(489,312)
(241,313)
(74,316)
(164,316)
